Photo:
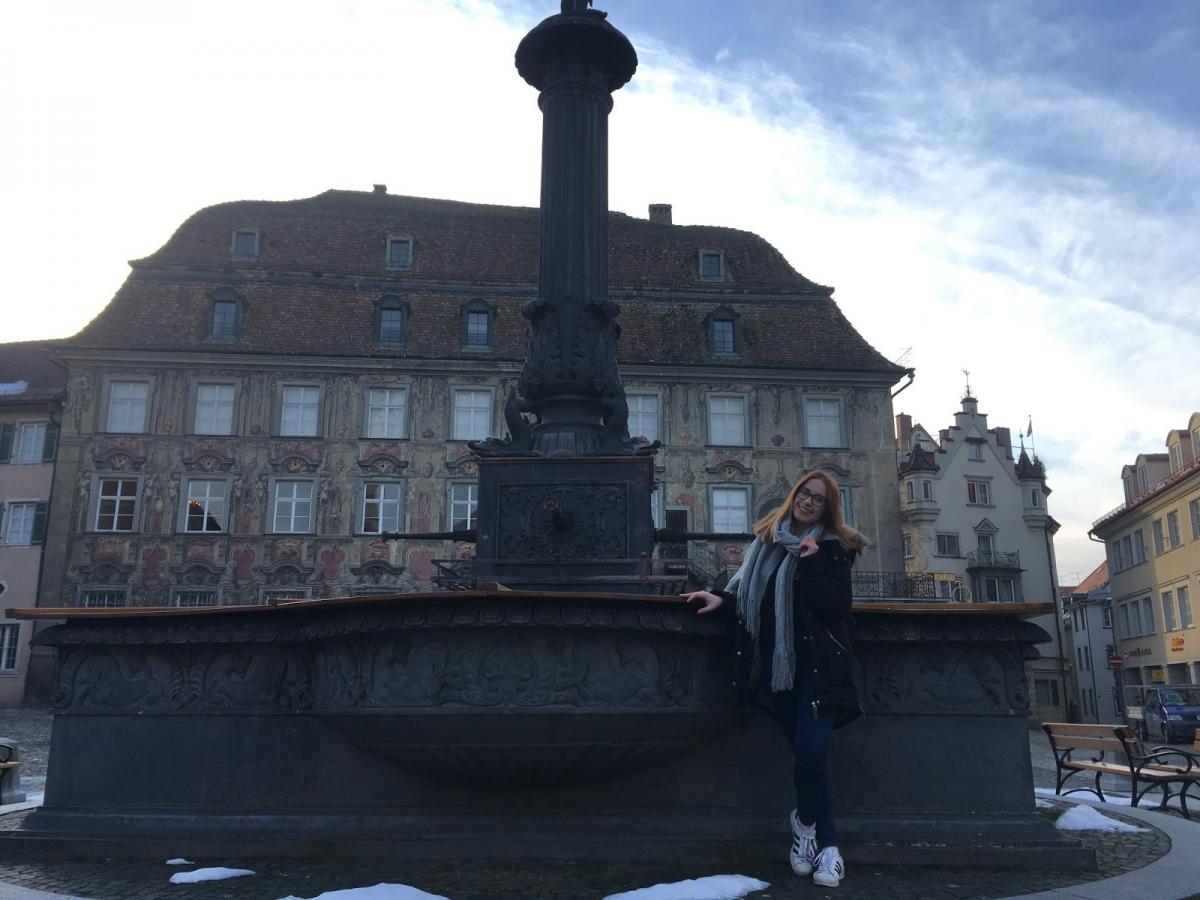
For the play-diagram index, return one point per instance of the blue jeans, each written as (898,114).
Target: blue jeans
(809,738)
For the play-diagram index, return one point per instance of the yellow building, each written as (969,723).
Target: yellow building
(1153,544)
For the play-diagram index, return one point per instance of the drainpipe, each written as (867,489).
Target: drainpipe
(912,374)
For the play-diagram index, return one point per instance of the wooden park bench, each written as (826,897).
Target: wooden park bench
(8,768)
(1113,750)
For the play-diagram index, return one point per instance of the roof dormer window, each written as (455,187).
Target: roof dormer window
(399,252)
(244,243)
(711,266)
(721,325)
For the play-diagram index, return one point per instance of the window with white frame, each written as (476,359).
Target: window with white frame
(214,408)
(907,539)
(656,507)
(997,589)
(1176,452)
(18,522)
(30,443)
(1106,618)
(1173,530)
(382,507)
(127,406)
(299,411)
(195,597)
(464,501)
(10,633)
(1196,444)
(975,451)
(985,545)
(1168,610)
(387,412)
(947,544)
(244,243)
(207,505)
(472,415)
(823,422)
(912,490)
(643,416)
(1148,615)
(727,421)
(104,598)
(979,493)
(731,509)
(1130,491)
(926,489)
(399,252)
(1139,547)
(116,505)
(292,507)
(1143,477)
(1118,556)
(1185,607)
(1156,530)
(1127,549)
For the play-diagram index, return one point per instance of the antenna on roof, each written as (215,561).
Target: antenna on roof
(967,376)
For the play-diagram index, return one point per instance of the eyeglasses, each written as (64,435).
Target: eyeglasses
(815,499)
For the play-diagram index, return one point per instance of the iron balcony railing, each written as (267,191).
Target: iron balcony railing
(981,559)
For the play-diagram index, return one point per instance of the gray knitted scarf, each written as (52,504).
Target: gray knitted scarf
(750,585)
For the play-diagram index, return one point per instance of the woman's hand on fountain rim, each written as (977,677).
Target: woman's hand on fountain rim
(711,601)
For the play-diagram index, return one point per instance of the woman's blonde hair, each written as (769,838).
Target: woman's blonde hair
(831,513)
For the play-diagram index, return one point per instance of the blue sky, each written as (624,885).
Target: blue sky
(1010,188)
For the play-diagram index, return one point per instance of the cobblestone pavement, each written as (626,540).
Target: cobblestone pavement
(547,880)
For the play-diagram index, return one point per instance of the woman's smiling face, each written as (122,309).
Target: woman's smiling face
(809,505)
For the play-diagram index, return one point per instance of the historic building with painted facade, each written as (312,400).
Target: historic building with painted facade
(31,396)
(283,382)
(1153,546)
(978,518)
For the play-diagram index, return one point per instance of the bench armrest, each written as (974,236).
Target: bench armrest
(1163,755)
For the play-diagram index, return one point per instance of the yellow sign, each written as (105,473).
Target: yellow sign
(1158,676)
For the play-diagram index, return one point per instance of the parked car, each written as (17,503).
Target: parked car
(1168,712)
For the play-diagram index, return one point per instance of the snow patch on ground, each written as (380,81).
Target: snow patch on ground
(213,873)
(381,891)
(1086,818)
(1043,804)
(178,861)
(712,887)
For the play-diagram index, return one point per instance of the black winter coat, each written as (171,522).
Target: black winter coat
(822,591)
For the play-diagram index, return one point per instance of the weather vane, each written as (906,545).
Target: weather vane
(967,376)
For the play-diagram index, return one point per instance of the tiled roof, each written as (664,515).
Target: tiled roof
(27,373)
(1098,578)
(320,272)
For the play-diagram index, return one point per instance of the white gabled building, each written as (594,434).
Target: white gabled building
(971,511)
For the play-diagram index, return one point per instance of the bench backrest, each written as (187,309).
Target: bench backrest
(1107,738)
(1196,741)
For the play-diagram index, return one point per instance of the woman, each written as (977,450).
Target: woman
(792,595)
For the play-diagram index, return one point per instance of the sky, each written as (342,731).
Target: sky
(1008,188)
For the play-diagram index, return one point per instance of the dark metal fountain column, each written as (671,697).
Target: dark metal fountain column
(564,499)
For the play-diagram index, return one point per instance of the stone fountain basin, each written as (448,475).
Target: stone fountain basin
(502,687)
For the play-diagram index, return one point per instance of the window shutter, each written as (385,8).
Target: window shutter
(6,441)
(50,445)
(38,535)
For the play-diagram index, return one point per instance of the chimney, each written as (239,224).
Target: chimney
(379,189)
(1004,441)
(903,432)
(943,437)
(660,213)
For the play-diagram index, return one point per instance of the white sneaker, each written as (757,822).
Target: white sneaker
(804,846)
(830,868)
